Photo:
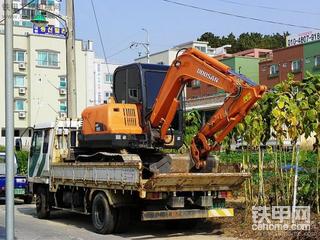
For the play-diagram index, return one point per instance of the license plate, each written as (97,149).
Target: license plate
(19,191)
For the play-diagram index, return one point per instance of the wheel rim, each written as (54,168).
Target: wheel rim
(100,214)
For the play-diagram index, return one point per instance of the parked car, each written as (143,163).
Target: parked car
(21,189)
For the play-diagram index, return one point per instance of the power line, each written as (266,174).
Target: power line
(239,16)
(100,37)
(118,52)
(270,8)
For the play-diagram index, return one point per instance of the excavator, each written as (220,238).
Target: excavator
(145,114)
(115,162)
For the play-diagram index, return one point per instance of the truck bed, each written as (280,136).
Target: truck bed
(128,176)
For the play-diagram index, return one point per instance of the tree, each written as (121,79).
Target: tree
(246,40)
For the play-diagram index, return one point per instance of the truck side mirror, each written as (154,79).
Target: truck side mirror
(18,145)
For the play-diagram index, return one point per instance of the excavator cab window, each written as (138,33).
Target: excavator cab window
(127,84)
(153,82)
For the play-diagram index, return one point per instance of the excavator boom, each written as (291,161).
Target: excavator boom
(195,65)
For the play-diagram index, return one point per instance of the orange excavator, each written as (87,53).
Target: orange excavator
(145,114)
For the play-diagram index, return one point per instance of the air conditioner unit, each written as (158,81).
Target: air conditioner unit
(22,91)
(22,66)
(63,115)
(63,91)
(22,115)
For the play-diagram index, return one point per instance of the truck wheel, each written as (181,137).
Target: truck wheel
(42,205)
(103,216)
(123,220)
(27,199)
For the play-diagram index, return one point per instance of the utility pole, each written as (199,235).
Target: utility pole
(71,62)
(8,14)
(147,45)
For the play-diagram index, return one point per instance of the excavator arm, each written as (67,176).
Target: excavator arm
(191,65)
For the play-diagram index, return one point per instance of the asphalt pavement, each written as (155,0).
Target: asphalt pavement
(64,225)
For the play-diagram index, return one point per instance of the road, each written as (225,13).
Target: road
(72,226)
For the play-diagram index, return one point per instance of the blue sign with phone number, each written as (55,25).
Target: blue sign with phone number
(50,30)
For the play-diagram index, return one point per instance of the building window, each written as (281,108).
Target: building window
(50,2)
(195,84)
(274,70)
(18,56)
(63,106)
(317,61)
(3,132)
(19,81)
(107,95)
(19,105)
(296,66)
(108,79)
(202,49)
(27,24)
(27,14)
(48,59)
(63,82)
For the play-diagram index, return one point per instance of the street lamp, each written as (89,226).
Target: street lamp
(40,21)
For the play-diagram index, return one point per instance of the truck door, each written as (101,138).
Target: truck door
(39,157)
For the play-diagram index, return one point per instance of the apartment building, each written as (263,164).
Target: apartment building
(23,17)
(40,83)
(103,80)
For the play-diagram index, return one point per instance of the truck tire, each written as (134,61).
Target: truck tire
(103,215)
(27,199)
(42,204)
(123,220)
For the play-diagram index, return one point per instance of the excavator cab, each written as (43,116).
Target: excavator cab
(140,84)
(124,123)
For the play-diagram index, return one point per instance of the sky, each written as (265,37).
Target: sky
(121,22)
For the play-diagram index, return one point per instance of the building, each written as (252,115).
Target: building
(103,80)
(166,57)
(311,55)
(301,55)
(283,61)
(40,84)
(23,17)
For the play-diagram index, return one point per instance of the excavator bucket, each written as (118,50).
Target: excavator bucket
(183,163)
